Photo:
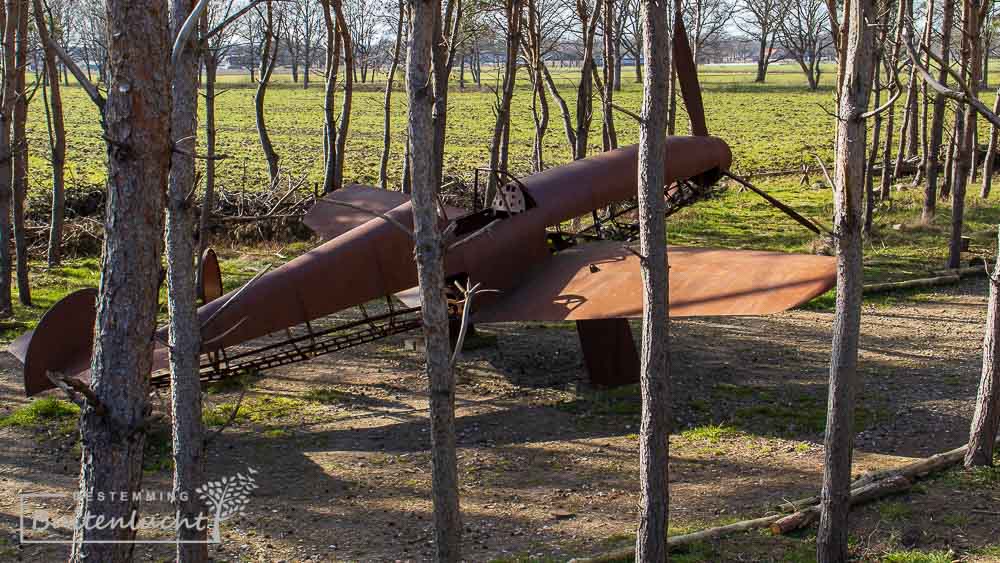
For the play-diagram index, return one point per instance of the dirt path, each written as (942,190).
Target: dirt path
(548,465)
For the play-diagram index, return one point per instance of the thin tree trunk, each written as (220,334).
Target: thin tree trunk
(986,419)
(57,144)
(442,56)
(991,154)
(430,272)
(512,11)
(208,202)
(876,135)
(971,48)
(6,160)
(610,136)
(831,537)
(268,60)
(112,445)
(19,140)
(185,332)
(383,174)
(330,98)
(654,431)
(893,61)
(933,160)
(345,106)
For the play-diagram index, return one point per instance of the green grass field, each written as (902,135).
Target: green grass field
(777,125)
(774,125)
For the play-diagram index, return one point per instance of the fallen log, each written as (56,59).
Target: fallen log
(868,492)
(863,489)
(944,277)
(687,539)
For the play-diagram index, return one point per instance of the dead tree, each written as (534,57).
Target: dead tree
(184,327)
(849,168)
(501,108)
(760,21)
(57,136)
(383,173)
(430,273)
(19,142)
(933,160)
(654,431)
(268,60)
(137,131)
(986,419)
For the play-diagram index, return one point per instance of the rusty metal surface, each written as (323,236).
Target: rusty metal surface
(210,276)
(608,351)
(61,343)
(687,76)
(581,186)
(603,281)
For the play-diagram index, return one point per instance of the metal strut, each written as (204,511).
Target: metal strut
(306,347)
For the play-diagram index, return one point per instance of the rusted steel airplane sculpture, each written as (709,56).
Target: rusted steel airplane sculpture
(513,245)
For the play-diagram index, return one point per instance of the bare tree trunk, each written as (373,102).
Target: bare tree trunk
(831,538)
(890,69)
(383,174)
(609,134)
(185,332)
(6,157)
(329,101)
(19,140)
(208,202)
(539,102)
(442,57)
(971,49)
(584,93)
(933,160)
(986,419)
(654,432)
(137,116)
(991,154)
(268,60)
(345,106)
(678,13)
(430,272)
(512,12)
(876,135)
(57,144)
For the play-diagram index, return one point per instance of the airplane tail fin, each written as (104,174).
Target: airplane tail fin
(61,343)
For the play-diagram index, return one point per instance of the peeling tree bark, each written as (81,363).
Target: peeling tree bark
(831,538)
(430,273)
(137,116)
(654,432)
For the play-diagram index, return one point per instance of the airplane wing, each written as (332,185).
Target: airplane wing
(603,281)
(340,211)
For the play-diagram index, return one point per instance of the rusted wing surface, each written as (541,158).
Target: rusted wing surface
(603,281)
